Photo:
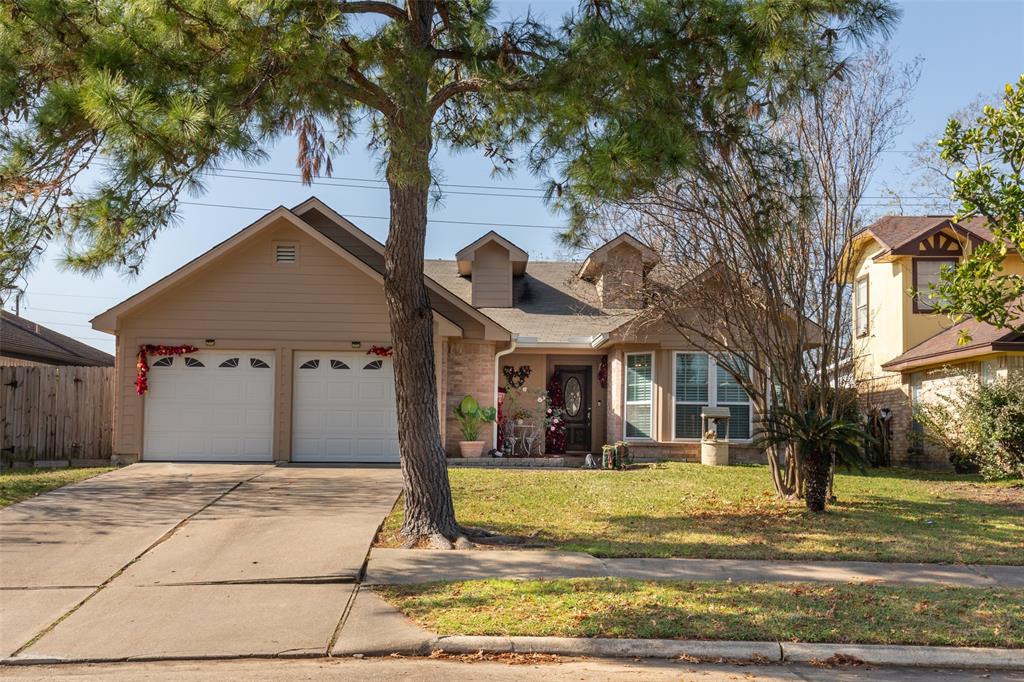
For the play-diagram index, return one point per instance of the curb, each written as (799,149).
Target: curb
(911,656)
(759,652)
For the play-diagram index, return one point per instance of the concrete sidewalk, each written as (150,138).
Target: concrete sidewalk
(401,566)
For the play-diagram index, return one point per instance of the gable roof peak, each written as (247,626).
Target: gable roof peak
(594,263)
(518,256)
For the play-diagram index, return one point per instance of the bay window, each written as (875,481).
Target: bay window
(639,395)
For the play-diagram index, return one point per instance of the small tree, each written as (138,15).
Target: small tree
(753,261)
(988,159)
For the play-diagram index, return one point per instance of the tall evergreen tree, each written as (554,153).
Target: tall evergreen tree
(620,94)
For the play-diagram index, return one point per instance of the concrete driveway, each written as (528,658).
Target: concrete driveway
(188,560)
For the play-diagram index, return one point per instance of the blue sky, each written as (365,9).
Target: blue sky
(968,47)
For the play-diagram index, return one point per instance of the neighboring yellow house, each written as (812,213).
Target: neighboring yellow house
(902,352)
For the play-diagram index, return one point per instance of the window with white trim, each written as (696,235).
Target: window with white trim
(700,381)
(691,393)
(730,394)
(860,306)
(639,395)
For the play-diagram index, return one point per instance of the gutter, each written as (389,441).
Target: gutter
(579,343)
(497,356)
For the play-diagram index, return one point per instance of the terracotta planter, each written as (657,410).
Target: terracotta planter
(714,453)
(471,448)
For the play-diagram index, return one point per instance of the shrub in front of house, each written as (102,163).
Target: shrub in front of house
(981,424)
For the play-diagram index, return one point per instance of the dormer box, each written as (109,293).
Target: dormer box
(490,263)
(619,270)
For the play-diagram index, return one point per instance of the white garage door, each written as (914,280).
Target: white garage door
(344,408)
(216,406)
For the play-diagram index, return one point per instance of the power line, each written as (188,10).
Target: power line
(474,223)
(50,293)
(32,308)
(290,178)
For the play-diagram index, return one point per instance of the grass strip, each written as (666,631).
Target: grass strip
(612,607)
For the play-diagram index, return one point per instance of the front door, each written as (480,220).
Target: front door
(576,392)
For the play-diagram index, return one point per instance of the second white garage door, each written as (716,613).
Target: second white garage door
(344,408)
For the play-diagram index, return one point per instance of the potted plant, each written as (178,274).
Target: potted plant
(471,416)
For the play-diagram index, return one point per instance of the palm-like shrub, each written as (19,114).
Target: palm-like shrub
(817,438)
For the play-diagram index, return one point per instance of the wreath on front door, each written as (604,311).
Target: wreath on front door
(142,364)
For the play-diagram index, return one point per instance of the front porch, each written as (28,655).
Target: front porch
(552,404)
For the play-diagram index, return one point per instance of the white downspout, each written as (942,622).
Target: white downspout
(497,369)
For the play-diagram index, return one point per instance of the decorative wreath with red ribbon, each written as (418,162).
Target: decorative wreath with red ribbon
(142,365)
(602,372)
(382,351)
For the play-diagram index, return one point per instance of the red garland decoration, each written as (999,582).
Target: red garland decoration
(602,372)
(382,351)
(142,365)
(554,436)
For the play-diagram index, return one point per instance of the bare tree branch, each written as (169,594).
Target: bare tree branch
(454,89)
(373,7)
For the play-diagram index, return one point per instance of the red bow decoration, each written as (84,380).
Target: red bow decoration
(142,365)
(382,351)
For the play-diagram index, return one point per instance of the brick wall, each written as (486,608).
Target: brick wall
(690,452)
(892,392)
(469,370)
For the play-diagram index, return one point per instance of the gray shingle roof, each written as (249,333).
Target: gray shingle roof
(24,339)
(550,303)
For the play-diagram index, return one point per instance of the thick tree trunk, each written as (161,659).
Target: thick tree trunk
(816,468)
(429,510)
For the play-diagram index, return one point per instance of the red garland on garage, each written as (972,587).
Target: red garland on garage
(142,365)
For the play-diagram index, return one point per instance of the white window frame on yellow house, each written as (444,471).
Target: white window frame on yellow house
(626,402)
(864,317)
(712,399)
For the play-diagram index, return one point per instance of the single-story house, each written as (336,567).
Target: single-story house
(24,342)
(291,334)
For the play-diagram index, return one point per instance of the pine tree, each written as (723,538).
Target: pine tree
(153,94)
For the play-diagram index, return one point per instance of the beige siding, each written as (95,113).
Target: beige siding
(492,277)
(246,301)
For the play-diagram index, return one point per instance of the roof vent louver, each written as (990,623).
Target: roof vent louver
(286,253)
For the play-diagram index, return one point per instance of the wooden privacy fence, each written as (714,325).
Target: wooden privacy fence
(56,413)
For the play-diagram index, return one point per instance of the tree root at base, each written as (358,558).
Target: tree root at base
(466,537)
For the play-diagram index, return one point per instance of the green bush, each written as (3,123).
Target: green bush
(981,424)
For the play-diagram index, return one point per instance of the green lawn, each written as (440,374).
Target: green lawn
(609,607)
(689,510)
(22,484)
